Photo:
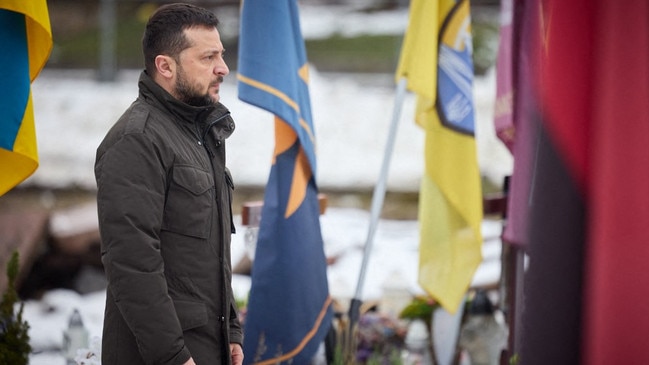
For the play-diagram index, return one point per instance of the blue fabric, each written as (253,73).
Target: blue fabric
(289,311)
(271,52)
(14,78)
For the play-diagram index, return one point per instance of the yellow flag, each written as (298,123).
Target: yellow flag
(436,60)
(27,41)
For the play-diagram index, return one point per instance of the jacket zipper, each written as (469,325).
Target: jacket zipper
(219,209)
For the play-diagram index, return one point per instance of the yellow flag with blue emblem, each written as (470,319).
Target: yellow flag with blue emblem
(26,40)
(436,60)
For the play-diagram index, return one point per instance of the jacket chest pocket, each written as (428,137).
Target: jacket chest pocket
(189,202)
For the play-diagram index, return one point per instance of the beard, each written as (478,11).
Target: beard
(190,93)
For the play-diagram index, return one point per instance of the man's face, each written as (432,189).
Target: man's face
(200,68)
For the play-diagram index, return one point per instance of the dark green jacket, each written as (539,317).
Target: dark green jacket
(165,218)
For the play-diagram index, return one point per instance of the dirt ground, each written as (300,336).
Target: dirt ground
(397,205)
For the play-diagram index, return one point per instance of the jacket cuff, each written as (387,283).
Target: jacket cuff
(236,337)
(181,357)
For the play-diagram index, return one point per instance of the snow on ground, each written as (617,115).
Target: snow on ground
(352,114)
(394,256)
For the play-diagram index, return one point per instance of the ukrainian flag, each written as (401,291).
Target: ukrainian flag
(26,40)
(289,308)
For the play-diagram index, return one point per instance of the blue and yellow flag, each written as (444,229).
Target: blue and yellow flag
(26,41)
(436,60)
(289,308)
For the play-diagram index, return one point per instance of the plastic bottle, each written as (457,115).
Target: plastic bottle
(417,344)
(75,337)
(482,336)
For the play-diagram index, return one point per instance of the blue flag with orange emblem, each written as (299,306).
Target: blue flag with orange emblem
(26,41)
(289,308)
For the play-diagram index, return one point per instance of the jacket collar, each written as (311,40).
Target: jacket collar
(215,117)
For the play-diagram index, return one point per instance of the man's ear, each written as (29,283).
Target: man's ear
(166,66)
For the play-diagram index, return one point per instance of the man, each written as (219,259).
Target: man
(164,204)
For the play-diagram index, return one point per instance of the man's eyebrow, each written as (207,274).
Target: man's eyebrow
(214,52)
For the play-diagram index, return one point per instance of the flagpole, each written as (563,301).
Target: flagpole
(377,201)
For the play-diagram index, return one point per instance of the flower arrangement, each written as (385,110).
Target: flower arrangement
(421,307)
(376,339)
(90,356)
(380,339)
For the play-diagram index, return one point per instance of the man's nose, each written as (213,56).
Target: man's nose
(221,68)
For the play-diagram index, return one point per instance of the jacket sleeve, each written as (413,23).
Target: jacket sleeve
(235,331)
(130,197)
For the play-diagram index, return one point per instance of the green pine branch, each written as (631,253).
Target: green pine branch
(14,337)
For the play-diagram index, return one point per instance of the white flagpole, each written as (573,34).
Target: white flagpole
(377,200)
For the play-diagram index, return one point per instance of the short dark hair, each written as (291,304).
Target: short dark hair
(164,32)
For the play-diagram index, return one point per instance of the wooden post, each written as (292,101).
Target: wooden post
(512,274)
(251,211)
(108,39)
